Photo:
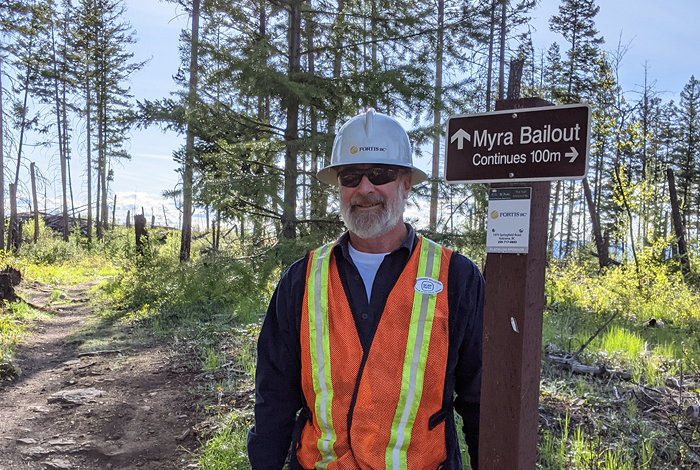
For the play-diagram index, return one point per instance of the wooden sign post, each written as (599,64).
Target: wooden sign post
(524,149)
(514,302)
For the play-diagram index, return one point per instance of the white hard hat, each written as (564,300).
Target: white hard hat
(370,138)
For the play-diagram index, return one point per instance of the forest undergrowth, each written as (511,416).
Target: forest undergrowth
(634,408)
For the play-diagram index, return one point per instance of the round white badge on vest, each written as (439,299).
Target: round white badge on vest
(428,285)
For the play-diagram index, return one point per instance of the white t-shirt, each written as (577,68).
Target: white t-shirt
(368,265)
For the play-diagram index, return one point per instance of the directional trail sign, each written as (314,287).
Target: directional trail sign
(533,144)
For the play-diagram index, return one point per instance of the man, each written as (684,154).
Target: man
(372,341)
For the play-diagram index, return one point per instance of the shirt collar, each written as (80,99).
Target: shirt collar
(408,244)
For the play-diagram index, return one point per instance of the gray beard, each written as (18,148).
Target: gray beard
(373,224)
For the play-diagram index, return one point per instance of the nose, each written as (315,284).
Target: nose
(365,185)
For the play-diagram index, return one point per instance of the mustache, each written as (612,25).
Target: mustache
(367,200)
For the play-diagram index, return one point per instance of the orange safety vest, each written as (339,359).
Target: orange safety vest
(373,411)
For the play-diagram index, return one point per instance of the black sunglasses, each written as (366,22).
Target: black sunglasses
(378,175)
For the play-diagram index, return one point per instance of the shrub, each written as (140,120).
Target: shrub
(210,285)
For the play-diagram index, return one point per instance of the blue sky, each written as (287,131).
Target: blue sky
(661,35)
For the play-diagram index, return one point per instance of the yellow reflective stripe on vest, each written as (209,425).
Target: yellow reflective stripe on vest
(319,346)
(415,359)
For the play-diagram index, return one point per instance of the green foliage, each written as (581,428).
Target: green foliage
(653,290)
(229,358)
(163,289)
(463,448)
(471,243)
(212,361)
(52,260)
(15,317)
(227,449)
(50,247)
(573,448)
(580,300)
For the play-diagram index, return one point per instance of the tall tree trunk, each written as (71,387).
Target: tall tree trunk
(603,256)
(64,107)
(333,116)
(2,167)
(14,238)
(105,172)
(678,224)
(263,102)
(437,111)
(100,154)
(570,220)
(553,222)
(630,222)
(114,212)
(88,130)
(263,113)
(492,39)
(70,181)
(61,142)
(35,203)
(502,65)
(217,224)
(187,175)
(13,243)
(315,187)
(98,194)
(291,132)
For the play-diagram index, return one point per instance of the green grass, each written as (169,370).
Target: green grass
(620,442)
(15,320)
(76,271)
(226,450)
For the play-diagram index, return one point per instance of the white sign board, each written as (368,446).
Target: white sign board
(508,226)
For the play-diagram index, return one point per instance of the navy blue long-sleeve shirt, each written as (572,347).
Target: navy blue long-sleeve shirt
(278,374)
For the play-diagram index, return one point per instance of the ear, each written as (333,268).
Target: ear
(407,183)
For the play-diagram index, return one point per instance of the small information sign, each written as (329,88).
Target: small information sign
(508,226)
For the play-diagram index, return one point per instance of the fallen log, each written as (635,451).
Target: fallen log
(571,364)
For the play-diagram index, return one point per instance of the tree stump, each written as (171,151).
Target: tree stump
(141,235)
(9,278)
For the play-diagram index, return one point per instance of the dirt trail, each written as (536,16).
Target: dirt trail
(67,410)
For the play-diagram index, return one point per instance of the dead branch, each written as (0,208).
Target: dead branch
(580,350)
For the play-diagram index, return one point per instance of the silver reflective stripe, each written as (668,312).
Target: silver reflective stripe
(420,337)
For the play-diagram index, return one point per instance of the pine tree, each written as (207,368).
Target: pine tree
(2,157)
(27,58)
(576,23)
(188,167)
(53,90)
(102,39)
(687,149)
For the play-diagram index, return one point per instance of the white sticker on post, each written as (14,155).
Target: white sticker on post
(508,226)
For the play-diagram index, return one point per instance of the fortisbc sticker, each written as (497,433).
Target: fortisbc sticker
(428,285)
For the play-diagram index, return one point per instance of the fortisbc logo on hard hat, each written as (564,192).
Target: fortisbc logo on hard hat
(354,149)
